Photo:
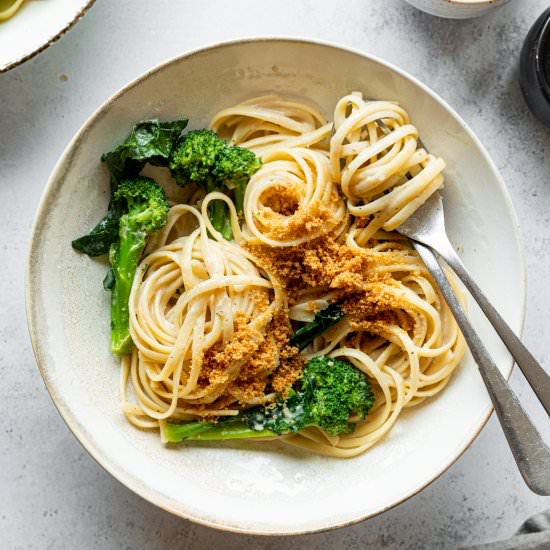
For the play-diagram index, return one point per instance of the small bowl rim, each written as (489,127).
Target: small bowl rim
(80,14)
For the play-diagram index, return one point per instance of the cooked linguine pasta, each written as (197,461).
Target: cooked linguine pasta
(211,319)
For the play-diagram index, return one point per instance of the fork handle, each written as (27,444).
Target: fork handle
(530,452)
(538,379)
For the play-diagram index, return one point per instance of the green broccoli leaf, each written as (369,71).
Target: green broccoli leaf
(109,280)
(323,320)
(150,142)
(100,238)
(283,417)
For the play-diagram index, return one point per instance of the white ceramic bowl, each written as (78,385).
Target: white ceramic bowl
(457,9)
(260,488)
(37,25)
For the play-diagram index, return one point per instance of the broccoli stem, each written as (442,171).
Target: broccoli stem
(124,260)
(227,230)
(240,189)
(210,431)
(174,433)
(219,214)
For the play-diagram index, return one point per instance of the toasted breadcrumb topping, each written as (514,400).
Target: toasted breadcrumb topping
(281,199)
(266,360)
(320,263)
(217,362)
(284,219)
(260,362)
(324,263)
(290,363)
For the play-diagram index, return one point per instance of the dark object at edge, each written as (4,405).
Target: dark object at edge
(534,68)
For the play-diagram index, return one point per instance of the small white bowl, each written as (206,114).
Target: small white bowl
(457,9)
(36,26)
(261,488)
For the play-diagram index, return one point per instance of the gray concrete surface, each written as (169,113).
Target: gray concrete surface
(52,494)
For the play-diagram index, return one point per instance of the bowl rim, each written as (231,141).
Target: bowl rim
(54,38)
(54,180)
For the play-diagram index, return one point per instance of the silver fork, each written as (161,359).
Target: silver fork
(426,229)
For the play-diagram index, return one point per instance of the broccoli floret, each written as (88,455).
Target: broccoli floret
(207,160)
(328,393)
(147,209)
(150,141)
(334,390)
(234,167)
(194,159)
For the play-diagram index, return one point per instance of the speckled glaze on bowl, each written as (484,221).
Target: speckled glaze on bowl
(260,488)
(36,26)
